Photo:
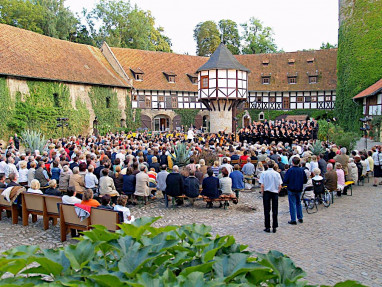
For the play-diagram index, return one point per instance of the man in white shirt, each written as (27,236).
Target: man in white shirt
(190,135)
(10,168)
(71,198)
(3,164)
(226,165)
(91,180)
(270,181)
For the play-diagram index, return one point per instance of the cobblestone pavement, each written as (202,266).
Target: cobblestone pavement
(341,242)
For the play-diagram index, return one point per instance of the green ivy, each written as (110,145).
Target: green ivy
(105,105)
(187,116)
(39,110)
(359,59)
(132,122)
(6,108)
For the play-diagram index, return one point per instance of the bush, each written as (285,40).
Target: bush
(142,255)
(337,134)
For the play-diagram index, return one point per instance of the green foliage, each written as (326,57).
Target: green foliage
(133,116)
(48,17)
(258,38)
(39,109)
(375,130)
(6,106)
(207,37)
(327,45)
(127,27)
(142,255)
(335,133)
(359,59)
(317,148)
(34,140)
(105,106)
(230,35)
(187,116)
(182,156)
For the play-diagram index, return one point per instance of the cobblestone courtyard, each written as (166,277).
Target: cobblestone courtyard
(338,243)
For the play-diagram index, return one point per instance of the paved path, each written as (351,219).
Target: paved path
(335,244)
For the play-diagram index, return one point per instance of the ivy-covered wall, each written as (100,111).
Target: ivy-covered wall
(359,58)
(41,103)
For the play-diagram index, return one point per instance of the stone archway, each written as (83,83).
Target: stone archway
(161,123)
(206,123)
(246,119)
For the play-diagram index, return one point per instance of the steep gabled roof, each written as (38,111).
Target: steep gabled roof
(155,63)
(27,54)
(370,91)
(222,58)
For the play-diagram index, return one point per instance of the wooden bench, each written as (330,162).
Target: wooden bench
(38,204)
(235,161)
(9,208)
(222,198)
(183,197)
(98,216)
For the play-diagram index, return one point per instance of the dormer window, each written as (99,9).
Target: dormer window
(137,73)
(170,76)
(310,60)
(265,80)
(312,79)
(193,78)
(291,62)
(292,80)
(265,62)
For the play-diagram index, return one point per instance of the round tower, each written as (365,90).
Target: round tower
(222,86)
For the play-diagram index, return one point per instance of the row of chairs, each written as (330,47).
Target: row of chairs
(51,208)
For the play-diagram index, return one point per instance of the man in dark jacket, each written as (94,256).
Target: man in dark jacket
(295,178)
(191,187)
(174,183)
(210,187)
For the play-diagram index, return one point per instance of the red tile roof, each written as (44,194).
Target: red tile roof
(155,64)
(27,54)
(370,91)
(325,63)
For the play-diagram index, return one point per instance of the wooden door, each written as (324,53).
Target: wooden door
(286,104)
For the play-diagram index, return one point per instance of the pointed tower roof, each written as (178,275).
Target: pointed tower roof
(222,58)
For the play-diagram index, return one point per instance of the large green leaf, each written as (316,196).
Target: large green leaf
(132,261)
(107,280)
(79,255)
(282,266)
(349,283)
(229,266)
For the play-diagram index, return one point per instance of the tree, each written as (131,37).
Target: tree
(258,38)
(230,35)
(327,45)
(207,37)
(47,17)
(125,26)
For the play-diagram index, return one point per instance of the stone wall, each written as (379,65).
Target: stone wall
(220,121)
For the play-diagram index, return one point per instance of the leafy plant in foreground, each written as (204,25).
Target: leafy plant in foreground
(142,255)
(34,140)
(182,157)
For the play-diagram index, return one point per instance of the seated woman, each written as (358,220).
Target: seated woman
(52,189)
(121,206)
(88,199)
(35,187)
(210,187)
(318,183)
(225,183)
(154,164)
(118,179)
(191,187)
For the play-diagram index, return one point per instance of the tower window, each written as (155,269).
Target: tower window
(107,102)
(204,82)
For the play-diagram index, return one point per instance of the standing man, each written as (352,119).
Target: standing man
(295,178)
(270,181)
(190,135)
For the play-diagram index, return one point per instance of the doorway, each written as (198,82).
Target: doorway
(161,123)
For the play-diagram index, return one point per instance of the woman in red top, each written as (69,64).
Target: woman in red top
(243,159)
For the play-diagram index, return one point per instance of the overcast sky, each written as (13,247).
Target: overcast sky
(297,24)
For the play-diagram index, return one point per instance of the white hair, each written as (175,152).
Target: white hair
(175,168)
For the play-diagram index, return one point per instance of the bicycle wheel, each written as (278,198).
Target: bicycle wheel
(326,199)
(310,205)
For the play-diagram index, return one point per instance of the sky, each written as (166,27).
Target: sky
(297,24)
